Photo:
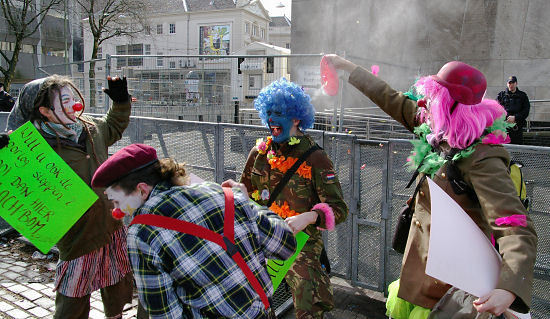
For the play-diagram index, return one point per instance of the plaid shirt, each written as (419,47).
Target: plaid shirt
(182,276)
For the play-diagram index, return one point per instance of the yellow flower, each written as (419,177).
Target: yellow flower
(256,195)
(294,141)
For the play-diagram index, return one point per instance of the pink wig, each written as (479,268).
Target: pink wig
(466,124)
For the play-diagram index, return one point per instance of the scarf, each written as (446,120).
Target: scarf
(72,133)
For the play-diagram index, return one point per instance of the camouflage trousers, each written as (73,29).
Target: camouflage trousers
(310,284)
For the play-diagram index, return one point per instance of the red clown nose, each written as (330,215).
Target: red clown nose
(77,107)
(117,213)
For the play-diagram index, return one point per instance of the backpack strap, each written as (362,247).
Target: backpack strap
(227,241)
(291,172)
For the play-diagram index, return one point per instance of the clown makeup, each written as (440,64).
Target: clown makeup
(63,101)
(281,127)
(127,203)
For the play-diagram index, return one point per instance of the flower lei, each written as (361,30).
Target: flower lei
(496,134)
(262,145)
(284,210)
(284,164)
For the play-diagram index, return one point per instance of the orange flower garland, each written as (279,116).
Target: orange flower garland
(284,164)
(284,211)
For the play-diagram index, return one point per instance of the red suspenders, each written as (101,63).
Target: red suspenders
(227,241)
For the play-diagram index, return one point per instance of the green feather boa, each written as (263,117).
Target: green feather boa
(432,160)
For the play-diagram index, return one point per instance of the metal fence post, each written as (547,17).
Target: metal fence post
(219,147)
(107,73)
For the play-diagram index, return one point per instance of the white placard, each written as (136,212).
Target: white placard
(460,254)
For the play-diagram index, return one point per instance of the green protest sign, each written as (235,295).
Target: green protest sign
(40,195)
(277,269)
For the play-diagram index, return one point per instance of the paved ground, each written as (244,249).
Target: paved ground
(26,285)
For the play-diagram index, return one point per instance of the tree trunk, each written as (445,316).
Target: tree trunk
(91,76)
(8,77)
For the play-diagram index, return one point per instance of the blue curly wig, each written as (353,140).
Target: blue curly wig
(289,99)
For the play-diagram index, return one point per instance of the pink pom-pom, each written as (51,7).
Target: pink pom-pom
(329,215)
(374,69)
(329,77)
(512,220)
(496,139)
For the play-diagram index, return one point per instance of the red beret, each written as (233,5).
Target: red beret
(127,160)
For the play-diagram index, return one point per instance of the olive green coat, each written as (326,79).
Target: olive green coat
(96,227)
(486,171)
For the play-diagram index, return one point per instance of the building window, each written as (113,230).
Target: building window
(172,64)
(135,49)
(27,48)
(172,28)
(100,93)
(287,45)
(147,30)
(255,81)
(247,28)
(147,49)
(254,30)
(121,50)
(160,60)
(99,53)
(159,28)
(262,33)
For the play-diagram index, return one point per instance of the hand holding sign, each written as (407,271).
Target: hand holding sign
(329,77)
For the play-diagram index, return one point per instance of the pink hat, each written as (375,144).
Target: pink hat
(127,160)
(465,83)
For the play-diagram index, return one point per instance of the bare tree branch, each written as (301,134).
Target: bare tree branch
(23,18)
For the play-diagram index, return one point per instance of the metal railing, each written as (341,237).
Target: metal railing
(373,179)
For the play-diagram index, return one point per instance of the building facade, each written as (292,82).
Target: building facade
(408,39)
(162,76)
(279,32)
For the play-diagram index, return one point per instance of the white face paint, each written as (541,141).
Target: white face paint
(66,102)
(127,203)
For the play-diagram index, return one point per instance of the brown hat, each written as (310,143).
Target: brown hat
(127,160)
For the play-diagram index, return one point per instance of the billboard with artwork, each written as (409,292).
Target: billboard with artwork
(214,39)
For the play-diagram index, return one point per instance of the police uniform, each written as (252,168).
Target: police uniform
(309,283)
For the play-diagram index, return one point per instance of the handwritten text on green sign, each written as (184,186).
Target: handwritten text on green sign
(40,195)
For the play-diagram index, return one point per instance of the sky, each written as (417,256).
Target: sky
(270,5)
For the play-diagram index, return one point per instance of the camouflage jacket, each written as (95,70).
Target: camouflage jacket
(315,182)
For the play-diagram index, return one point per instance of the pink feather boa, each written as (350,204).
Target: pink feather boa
(329,215)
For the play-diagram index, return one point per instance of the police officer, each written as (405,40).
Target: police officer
(517,107)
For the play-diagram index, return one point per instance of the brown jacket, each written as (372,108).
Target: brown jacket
(96,227)
(486,171)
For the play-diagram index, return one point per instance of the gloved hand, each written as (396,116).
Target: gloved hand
(118,89)
(4,139)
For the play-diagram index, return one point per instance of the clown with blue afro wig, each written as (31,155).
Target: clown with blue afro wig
(285,109)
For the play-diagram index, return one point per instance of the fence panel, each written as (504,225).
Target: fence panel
(340,148)
(536,161)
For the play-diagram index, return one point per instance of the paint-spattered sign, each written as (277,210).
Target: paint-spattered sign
(40,195)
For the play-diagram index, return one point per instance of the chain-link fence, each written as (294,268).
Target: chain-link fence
(373,179)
